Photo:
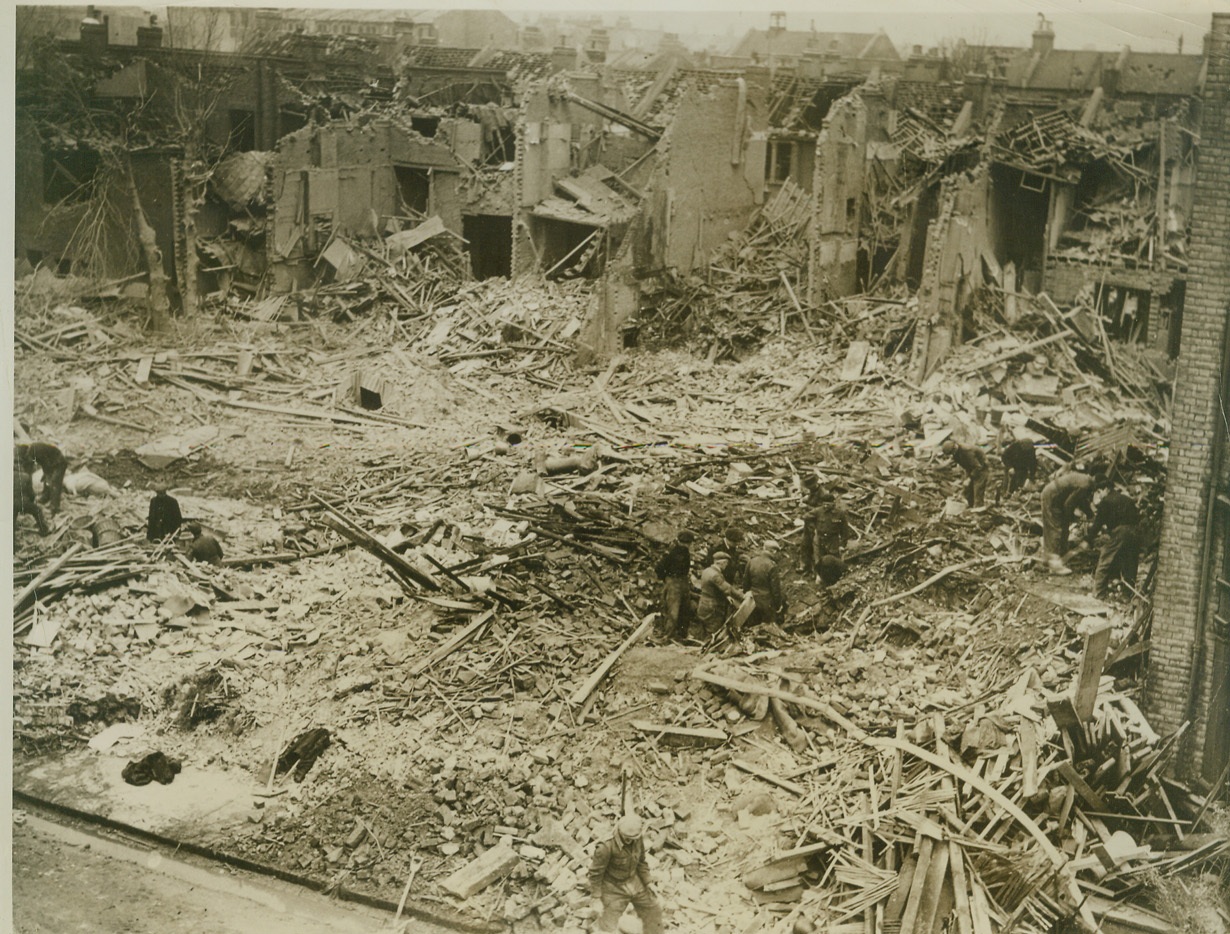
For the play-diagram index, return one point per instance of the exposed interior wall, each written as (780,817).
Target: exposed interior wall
(841,154)
(344,180)
(957,241)
(711,172)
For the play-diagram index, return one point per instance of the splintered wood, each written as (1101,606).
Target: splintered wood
(1048,822)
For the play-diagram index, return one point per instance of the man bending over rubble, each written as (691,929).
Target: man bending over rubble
(620,875)
(1119,557)
(1061,497)
(973,460)
(764,580)
(715,593)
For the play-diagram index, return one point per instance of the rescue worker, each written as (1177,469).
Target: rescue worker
(830,527)
(54,465)
(1061,497)
(732,546)
(619,875)
(1119,557)
(204,546)
(164,515)
(811,503)
(673,569)
(764,580)
(715,596)
(973,460)
(1020,462)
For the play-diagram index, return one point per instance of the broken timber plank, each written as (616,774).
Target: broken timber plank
(1081,787)
(479,873)
(937,576)
(45,573)
(909,915)
(1093,655)
(750,687)
(1058,860)
(456,639)
(764,775)
(682,735)
(960,888)
(581,694)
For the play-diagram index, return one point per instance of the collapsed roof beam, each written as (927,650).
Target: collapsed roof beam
(617,116)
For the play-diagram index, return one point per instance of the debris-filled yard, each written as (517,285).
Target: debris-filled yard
(426,668)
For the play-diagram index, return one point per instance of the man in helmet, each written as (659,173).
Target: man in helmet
(619,876)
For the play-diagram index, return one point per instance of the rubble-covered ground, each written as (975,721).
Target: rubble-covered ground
(548,490)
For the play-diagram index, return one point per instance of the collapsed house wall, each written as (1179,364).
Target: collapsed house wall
(1189,667)
(841,155)
(957,248)
(349,181)
(711,174)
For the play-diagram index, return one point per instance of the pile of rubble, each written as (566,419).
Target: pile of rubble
(466,622)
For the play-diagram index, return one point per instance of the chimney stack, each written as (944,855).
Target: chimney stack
(1044,36)
(150,37)
(93,31)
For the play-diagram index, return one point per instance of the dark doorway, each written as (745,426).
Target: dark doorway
(1020,202)
(926,209)
(414,186)
(490,237)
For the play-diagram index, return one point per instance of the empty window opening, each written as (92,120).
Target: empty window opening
(68,175)
(242,134)
(1125,312)
(568,250)
(425,126)
(779,160)
(414,185)
(1172,318)
(490,237)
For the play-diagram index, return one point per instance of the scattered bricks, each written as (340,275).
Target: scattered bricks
(529,851)
(472,878)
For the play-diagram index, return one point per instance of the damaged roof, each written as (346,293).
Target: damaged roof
(1085,69)
(762,43)
(439,56)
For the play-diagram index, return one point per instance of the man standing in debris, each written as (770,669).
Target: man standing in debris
(53,464)
(764,580)
(973,460)
(619,875)
(1118,514)
(1020,461)
(164,515)
(1061,497)
(673,570)
(715,596)
(830,527)
(811,502)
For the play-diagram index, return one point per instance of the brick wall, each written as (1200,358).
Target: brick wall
(1177,664)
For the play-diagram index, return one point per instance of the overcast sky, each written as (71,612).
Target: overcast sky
(1145,25)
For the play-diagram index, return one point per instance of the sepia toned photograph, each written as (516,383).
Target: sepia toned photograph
(566,468)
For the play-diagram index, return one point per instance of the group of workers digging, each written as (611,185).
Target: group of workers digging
(1067,492)
(729,578)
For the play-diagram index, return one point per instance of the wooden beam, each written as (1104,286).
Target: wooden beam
(1085,693)
(581,694)
(751,687)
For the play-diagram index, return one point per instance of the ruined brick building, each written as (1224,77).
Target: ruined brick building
(1189,667)
(1095,177)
